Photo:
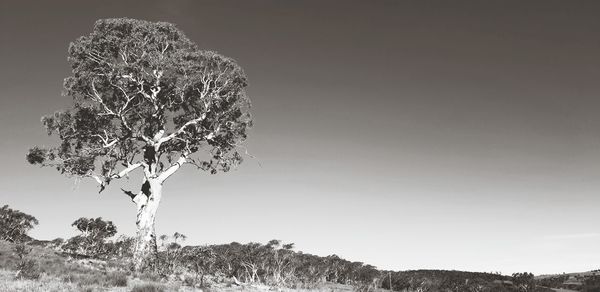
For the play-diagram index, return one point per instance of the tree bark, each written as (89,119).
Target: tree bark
(147,201)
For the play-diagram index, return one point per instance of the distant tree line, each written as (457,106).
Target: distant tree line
(585,282)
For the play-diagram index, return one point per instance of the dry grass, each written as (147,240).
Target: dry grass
(44,284)
(54,284)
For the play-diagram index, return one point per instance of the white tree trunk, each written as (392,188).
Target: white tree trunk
(147,203)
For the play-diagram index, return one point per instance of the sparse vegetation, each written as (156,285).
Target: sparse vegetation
(148,288)
(230,267)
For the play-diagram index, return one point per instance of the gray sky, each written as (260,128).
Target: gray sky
(405,134)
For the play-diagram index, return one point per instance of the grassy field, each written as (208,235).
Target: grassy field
(49,283)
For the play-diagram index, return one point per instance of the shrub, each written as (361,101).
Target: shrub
(91,279)
(121,247)
(26,268)
(148,288)
(189,281)
(69,278)
(117,279)
(149,276)
(591,284)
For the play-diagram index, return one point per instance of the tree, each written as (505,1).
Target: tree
(15,224)
(26,267)
(92,240)
(200,260)
(146,97)
(591,284)
(524,281)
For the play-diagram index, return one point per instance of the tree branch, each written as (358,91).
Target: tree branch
(98,98)
(129,193)
(173,168)
(126,171)
(182,129)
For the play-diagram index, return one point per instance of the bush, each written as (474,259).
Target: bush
(148,288)
(189,281)
(591,284)
(117,279)
(149,276)
(69,278)
(26,268)
(92,279)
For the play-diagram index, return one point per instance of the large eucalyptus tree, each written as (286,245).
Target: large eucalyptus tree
(146,97)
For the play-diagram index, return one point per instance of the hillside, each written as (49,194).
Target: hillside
(59,272)
(583,281)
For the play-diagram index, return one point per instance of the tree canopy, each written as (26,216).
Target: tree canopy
(15,224)
(145,96)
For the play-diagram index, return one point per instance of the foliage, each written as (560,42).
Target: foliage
(120,248)
(92,240)
(15,224)
(200,260)
(276,264)
(118,279)
(524,282)
(591,284)
(555,281)
(440,280)
(144,95)
(26,267)
(167,260)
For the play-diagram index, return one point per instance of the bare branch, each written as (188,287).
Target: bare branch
(173,168)
(126,171)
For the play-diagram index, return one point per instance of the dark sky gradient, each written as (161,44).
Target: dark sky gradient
(406,134)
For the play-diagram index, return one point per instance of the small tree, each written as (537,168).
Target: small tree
(121,247)
(524,282)
(26,267)
(169,255)
(591,284)
(146,97)
(201,261)
(92,240)
(15,224)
